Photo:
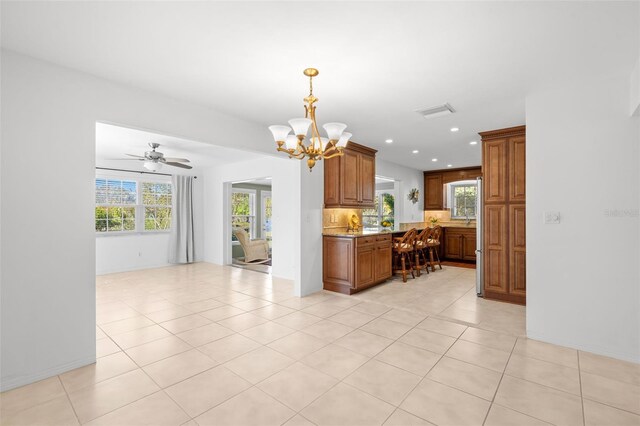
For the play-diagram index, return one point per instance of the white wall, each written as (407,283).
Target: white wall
(408,179)
(48,267)
(583,282)
(634,90)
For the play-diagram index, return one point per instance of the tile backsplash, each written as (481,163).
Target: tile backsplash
(441,215)
(339,218)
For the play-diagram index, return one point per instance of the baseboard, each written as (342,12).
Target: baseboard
(586,348)
(15,382)
(133,268)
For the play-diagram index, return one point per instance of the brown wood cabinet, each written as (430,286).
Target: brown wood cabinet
(434,181)
(350,179)
(351,264)
(504,245)
(459,243)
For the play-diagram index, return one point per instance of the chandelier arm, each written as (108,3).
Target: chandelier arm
(337,154)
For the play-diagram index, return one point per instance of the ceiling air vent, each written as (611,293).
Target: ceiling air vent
(436,111)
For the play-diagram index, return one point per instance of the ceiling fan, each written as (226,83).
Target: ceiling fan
(153,160)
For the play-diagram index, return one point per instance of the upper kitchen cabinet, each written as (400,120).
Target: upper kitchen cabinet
(350,179)
(434,182)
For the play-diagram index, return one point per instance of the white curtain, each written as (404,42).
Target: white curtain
(181,246)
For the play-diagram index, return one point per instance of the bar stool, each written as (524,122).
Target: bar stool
(433,243)
(420,249)
(403,252)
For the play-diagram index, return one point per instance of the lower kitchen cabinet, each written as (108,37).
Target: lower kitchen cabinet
(353,263)
(459,244)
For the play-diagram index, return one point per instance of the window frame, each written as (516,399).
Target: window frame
(380,214)
(252,210)
(452,190)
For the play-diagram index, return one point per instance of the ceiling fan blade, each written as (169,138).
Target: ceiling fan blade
(137,156)
(125,159)
(184,166)
(176,160)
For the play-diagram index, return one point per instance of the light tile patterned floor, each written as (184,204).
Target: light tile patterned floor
(211,345)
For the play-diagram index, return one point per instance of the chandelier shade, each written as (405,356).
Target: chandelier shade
(314,148)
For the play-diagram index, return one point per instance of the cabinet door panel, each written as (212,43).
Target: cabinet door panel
(332,182)
(367,179)
(517,169)
(495,249)
(433,192)
(338,260)
(469,246)
(494,170)
(383,261)
(350,177)
(518,250)
(365,266)
(452,245)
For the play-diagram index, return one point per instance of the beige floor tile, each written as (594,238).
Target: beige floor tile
(596,414)
(364,343)
(259,364)
(335,361)
(297,385)
(100,334)
(444,405)
(546,352)
(447,328)
(234,297)
(402,418)
(106,347)
(386,328)
(127,324)
(405,317)
(157,409)
(242,322)
(31,395)
(298,420)
(297,320)
(383,381)
(189,322)
(140,336)
(461,314)
(227,348)
(206,390)
(611,368)
(501,416)
(104,368)
(251,304)
(539,401)
(274,311)
(179,367)
(203,335)
(544,373)
(503,342)
(168,314)
(327,330)
(466,377)
(323,309)
(346,405)
(222,312)
(434,342)
(148,306)
(267,332)
(375,309)
(352,318)
(157,350)
(94,401)
(55,412)
(115,315)
(479,355)
(410,358)
(203,305)
(297,345)
(611,392)
(264,411)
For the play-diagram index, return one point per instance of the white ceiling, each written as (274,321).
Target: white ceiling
(378,61)
(113,142)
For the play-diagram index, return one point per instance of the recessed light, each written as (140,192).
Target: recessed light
(415,151)
(434,159)
(389,140)
(449,165)
(454,129)
(473,143)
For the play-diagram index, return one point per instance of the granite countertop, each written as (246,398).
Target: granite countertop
(403,227)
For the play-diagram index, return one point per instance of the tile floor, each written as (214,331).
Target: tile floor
(211,345)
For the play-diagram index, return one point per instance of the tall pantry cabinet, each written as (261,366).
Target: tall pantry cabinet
(504,198)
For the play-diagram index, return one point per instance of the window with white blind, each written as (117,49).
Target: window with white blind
(131,205)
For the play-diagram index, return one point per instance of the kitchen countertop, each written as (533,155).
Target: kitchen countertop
(403,227)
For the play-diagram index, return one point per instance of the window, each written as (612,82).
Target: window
(463,200)
(127,205)
(243,211)
(383,210)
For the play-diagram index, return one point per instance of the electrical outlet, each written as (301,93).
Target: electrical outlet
(551,218)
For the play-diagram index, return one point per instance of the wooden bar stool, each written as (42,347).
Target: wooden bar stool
(403,252)
(420,251)
(433,243)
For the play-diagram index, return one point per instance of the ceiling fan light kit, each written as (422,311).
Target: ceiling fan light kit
(317,147)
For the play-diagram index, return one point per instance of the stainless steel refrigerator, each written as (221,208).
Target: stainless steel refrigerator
(479,241)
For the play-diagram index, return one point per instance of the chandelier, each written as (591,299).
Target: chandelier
(317,147)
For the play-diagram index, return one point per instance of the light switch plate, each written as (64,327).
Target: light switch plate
(551,218)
